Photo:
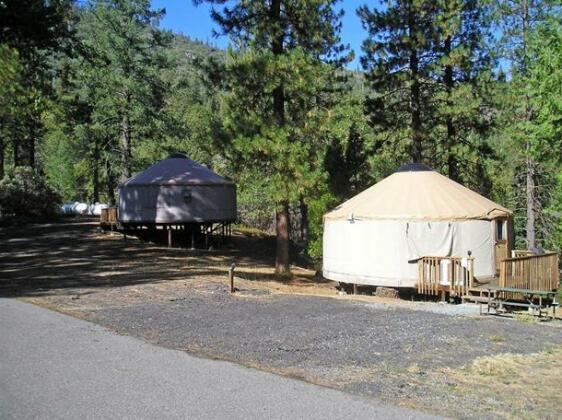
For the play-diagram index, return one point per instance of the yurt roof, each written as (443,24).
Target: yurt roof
(416,192)
(177,169)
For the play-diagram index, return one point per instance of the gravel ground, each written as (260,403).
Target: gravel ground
(314,333)
(401,352)
(358,347)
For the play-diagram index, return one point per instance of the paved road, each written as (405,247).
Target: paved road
(55,366)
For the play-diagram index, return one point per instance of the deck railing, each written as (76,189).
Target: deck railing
(531,272)
(452,274)
(516,253)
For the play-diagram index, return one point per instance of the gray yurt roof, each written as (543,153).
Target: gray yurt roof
(177,169)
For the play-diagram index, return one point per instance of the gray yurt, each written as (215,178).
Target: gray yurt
(176,191)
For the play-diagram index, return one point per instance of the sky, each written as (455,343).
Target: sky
(195,21)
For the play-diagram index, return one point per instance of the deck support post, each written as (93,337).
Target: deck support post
(354,288)
(169,236)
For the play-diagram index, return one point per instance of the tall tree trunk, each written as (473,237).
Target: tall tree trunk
(452,164)
(126,146)
(1,158)
(304,220)
(415,123)
(31,146)
(95,172)
(530,195)
(110,184)
(16,152)
(282,260)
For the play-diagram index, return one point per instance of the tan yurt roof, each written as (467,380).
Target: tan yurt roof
(416,192)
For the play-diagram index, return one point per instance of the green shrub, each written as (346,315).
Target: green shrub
(25,193)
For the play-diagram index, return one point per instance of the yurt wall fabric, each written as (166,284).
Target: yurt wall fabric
(177,204)
(385,252)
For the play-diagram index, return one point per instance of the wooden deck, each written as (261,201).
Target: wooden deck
(455,277)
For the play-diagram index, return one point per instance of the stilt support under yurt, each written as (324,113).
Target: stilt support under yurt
(190,236)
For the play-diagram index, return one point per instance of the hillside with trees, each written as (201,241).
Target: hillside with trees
(94,91)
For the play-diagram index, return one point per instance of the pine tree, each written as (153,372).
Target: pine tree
(545,81)
(31,31)
(398,57)
(114,87)
(461,73)
(274,81)
(518,19)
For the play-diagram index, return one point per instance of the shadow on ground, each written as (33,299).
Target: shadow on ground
(43,258)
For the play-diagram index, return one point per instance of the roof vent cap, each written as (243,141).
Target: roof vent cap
(414,167)
(178,156)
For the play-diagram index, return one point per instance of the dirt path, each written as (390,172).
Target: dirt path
(464,367)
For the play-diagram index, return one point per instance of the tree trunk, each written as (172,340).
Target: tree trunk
(126,146)
(1,158)
(304,221)
(110,183)
(16,152)
(95,172)
(452,165)
(31,148)
(529,164)
(530,199)
(415,123)
(282,266)
(282,260)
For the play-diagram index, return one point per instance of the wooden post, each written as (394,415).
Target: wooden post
(169,236)
(206,237)
(231,277)
(354,288)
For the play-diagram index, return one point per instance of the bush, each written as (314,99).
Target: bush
(24,193)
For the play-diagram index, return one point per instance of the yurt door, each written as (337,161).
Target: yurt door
(500,228)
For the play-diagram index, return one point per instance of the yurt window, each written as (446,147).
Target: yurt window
(187,196)
(500,230)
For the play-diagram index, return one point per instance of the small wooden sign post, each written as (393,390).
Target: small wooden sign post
(231,277)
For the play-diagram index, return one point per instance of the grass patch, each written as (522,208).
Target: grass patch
(249,231)
(496,339)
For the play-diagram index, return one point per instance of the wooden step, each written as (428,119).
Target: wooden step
(477,299)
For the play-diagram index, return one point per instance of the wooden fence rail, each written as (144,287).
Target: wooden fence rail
(455,275)
(531,272)
(517,253)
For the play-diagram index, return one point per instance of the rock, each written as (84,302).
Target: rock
(386,292)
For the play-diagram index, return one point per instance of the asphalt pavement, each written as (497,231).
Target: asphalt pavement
(56,366)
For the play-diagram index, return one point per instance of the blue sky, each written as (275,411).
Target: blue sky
(182,16)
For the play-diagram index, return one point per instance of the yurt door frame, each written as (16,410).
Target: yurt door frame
(501,248)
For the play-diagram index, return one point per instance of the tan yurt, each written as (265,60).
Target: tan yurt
(377,237)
